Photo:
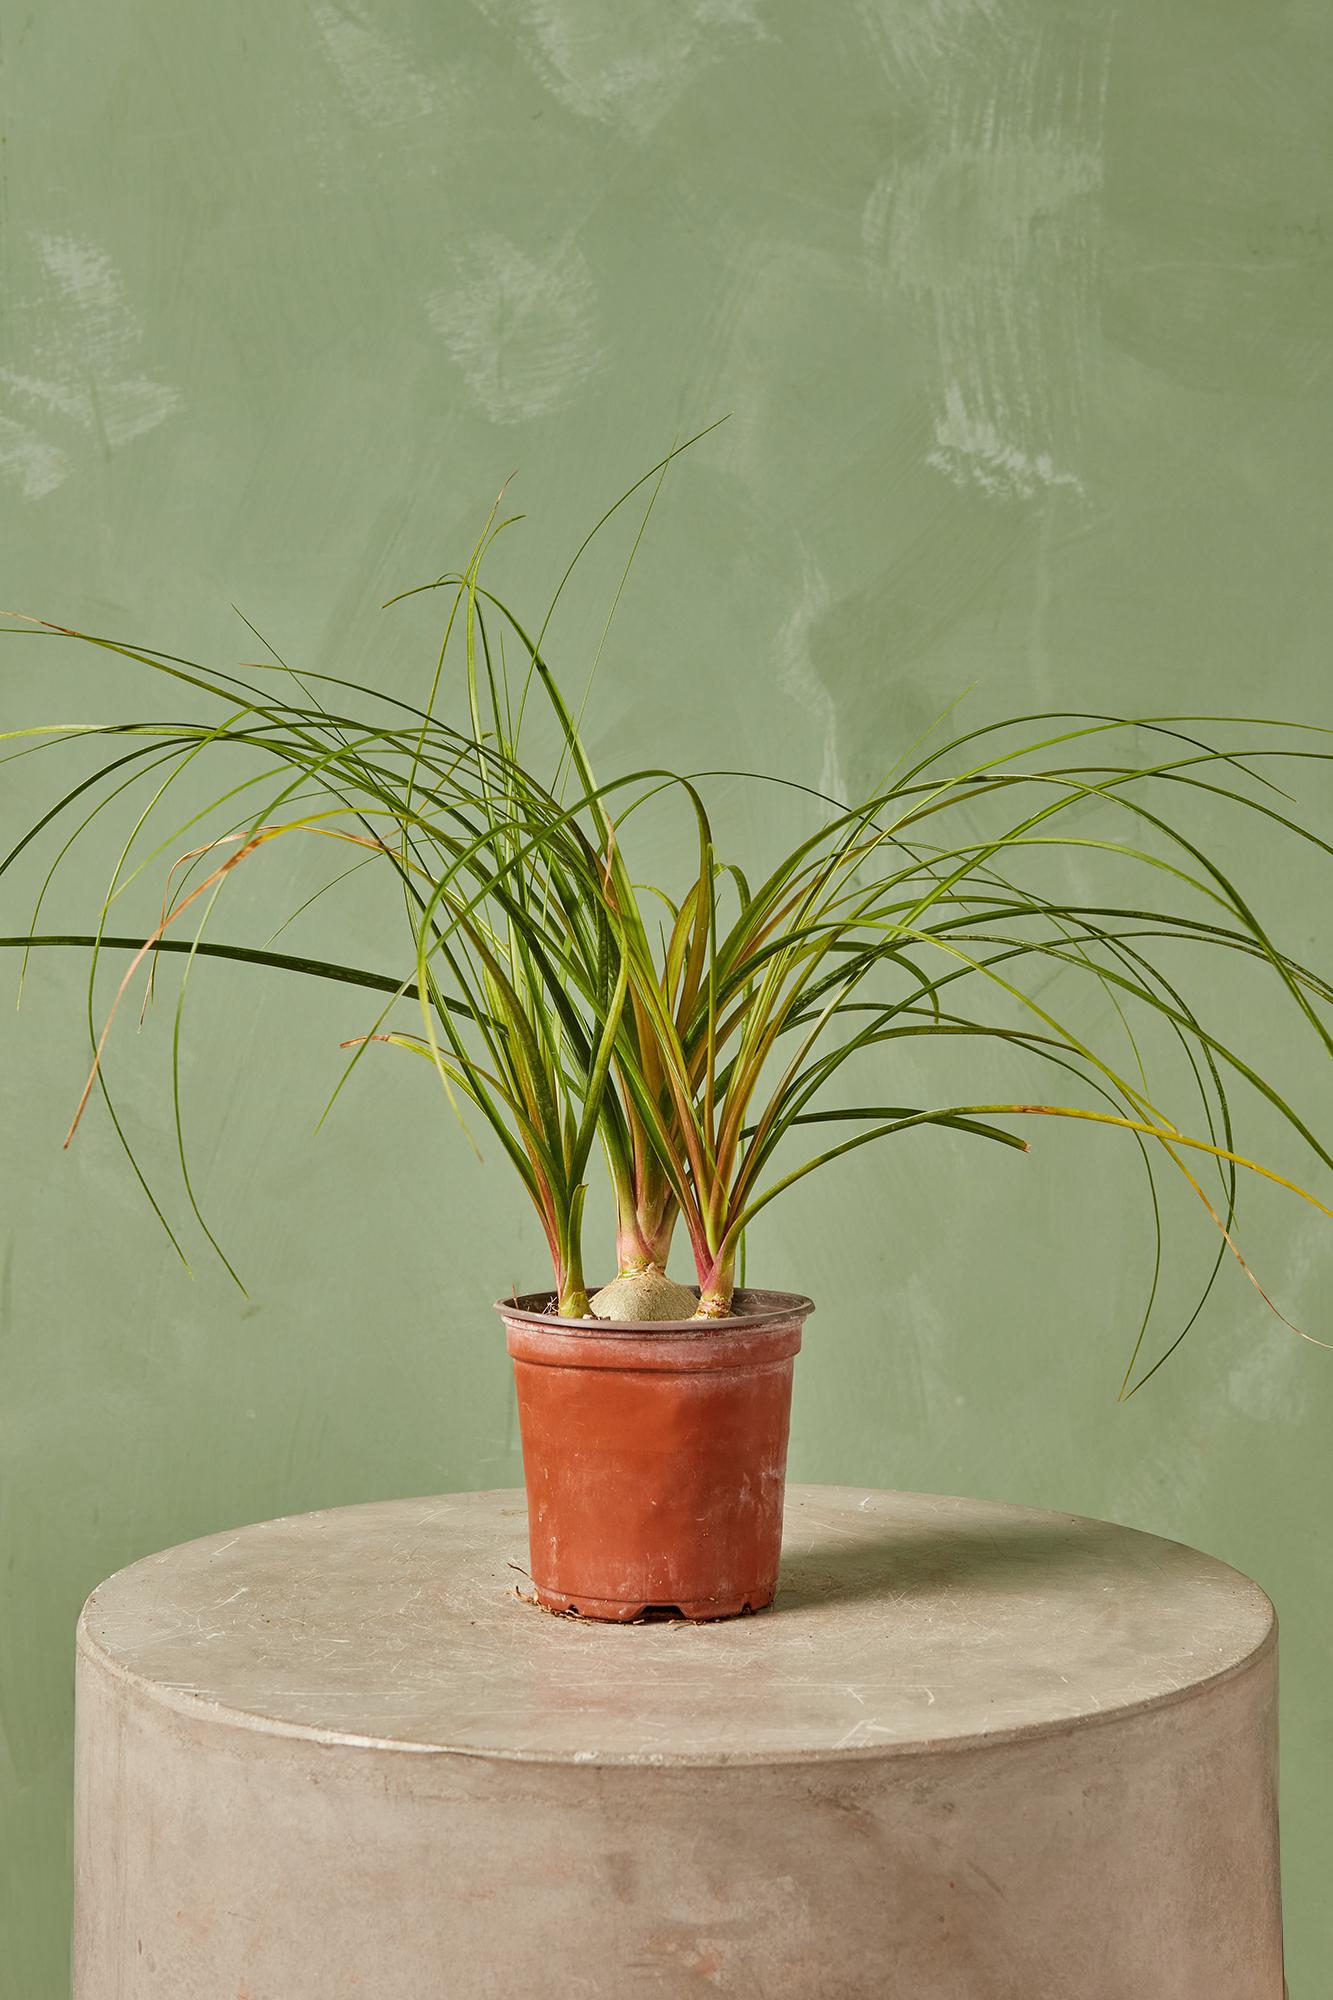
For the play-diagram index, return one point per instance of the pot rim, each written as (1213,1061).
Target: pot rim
(760,1308)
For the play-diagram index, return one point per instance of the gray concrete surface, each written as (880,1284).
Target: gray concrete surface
(974,1753)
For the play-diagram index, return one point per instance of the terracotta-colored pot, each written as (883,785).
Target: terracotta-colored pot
(655,1457)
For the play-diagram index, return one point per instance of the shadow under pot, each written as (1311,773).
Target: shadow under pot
(655,1457)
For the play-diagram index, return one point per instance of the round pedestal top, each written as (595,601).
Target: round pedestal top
(904,1623)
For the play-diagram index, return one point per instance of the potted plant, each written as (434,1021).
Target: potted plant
(694,1038)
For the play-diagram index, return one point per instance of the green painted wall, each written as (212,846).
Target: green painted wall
(1024,313)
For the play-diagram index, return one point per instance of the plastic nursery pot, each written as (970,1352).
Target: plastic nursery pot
(655,1456)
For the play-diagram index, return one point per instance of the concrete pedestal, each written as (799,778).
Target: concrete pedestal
(973,1753)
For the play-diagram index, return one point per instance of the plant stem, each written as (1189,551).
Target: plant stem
(572,1299)
(717,1289)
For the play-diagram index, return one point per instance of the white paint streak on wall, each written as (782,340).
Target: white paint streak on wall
(78,366)
(36,466)
(624,62)
(380,83)
(1269,1382)
(969,449)
(914,38)
(990,229)
(523,331)
(798,675)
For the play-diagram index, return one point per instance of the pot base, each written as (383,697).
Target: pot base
(613,1610)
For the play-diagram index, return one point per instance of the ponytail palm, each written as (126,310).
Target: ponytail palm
(716,1042)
